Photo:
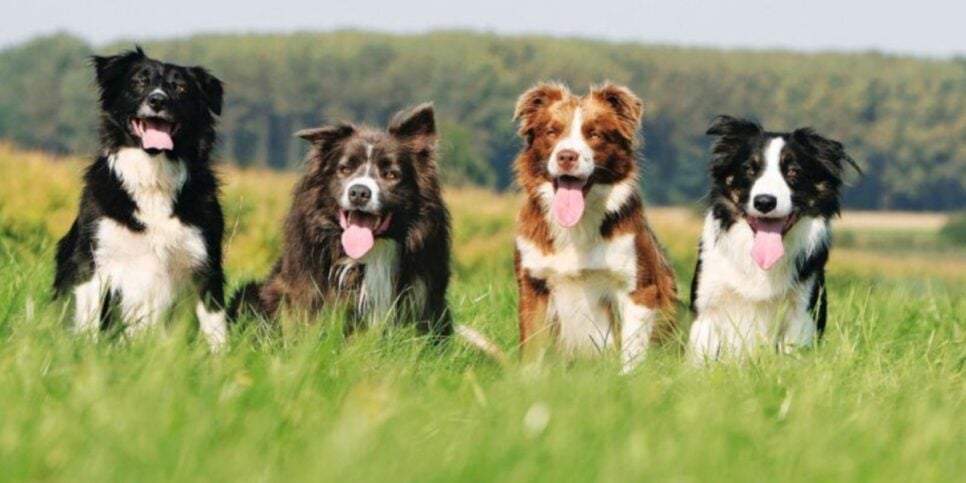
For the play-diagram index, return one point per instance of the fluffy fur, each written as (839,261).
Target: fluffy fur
(792,181)
(149,218)
(602,281)
(388,182)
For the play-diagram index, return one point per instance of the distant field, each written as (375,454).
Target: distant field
(882,399)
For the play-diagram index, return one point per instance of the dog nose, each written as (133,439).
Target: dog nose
(567,159)
(157,101)
(765,203)
(359,195)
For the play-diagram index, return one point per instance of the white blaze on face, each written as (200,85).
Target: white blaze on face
(772,182)
(574,142)
(364,178)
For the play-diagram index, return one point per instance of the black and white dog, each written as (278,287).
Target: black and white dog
(149,218)
(760,275)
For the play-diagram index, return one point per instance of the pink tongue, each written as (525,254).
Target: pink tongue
(568,202)
(157,135)
(357,238)
(768,248)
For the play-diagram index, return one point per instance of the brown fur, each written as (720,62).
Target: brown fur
(305,277)
(611,120)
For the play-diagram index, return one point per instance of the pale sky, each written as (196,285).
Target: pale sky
(925,27)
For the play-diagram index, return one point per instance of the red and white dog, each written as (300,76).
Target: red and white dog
(590,271)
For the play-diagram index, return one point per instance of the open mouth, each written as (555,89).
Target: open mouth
(568,199)
(360,230)
(768,247)
(155,133)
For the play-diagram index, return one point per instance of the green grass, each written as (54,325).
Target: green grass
(882,399)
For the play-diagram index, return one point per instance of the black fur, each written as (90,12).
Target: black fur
(194,98)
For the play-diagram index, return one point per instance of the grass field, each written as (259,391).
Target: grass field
(882,399)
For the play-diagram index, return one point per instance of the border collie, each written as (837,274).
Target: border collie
(149,218)
(367,227)
(760,274)
(590,272)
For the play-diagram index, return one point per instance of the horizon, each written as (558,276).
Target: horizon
(471,31)
(929,31)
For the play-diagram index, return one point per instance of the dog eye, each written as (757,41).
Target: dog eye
(345,170)
(594,136)
(140,82)
(749,170)
(181,89)
(551,132)
(791,171)
(390,175)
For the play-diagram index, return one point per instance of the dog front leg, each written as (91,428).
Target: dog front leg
(636,323)
(211,307)
(534,336)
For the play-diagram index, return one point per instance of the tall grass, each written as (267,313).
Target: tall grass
(881,399)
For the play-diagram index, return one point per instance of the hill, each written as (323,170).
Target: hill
(903,119)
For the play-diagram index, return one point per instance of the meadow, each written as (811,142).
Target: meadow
(881,399)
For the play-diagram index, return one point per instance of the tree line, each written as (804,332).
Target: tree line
(903,119)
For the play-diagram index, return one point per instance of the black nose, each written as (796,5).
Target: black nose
(765,203)
(359,195)
(157,101)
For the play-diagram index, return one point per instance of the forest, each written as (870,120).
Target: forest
(903,119)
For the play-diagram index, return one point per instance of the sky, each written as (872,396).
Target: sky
(933,28)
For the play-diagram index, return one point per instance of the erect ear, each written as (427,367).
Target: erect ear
(325,137)
(416,124)
(538,98)
(625,103)
(727,126)
(829,152)
(111,69)
(211,87)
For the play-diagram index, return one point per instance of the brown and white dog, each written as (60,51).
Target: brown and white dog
(590,271)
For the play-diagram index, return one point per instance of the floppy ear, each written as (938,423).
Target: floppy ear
(211,87)
(416,124)
(829,152)
(536,99)
(727,126)
(625,103)
(325,137)
(112,68)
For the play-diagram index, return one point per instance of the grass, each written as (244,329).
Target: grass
(881,399)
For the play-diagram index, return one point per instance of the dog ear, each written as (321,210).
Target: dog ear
(326,136)
(828,152)
(415,124)
(727,126)
(625,103)
(111,69)
(211,87)
(533,101)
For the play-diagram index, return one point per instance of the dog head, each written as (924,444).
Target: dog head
(156,106)
(773,179)
(574,143)
(374,180)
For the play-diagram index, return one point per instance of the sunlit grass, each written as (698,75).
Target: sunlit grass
(881,399)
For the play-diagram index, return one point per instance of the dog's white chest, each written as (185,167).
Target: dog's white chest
(147,268)
(377,296)
(586,275)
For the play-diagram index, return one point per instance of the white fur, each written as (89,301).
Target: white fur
(772,182)
(144,270)
(740,306)
(574,142)
(375,203)
(213,326)
(590,278)
(377,297)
